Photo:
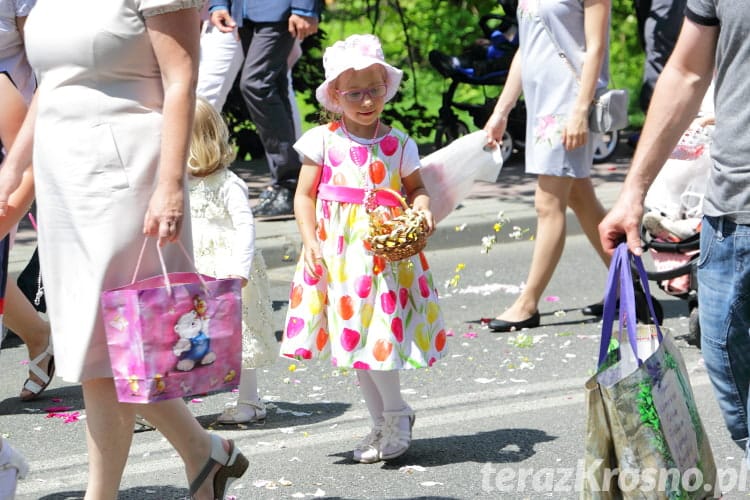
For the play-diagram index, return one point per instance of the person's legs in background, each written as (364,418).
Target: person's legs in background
(265,90)
(724,311)
(551,202)
(21,317)
(589,212)
(294,56)
(220,62)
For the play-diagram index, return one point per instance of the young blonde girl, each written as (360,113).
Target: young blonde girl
(346,303)
(224,246)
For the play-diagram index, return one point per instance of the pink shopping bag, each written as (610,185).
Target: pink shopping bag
(174,335)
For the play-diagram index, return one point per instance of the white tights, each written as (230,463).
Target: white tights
(382,392)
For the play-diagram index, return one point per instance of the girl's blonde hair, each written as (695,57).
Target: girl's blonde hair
(210,149)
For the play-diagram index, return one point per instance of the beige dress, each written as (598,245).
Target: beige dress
(96,149)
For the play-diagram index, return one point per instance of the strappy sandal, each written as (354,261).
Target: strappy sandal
(34,388)
(233,466)
(368,450)
(234,414)
(394,439)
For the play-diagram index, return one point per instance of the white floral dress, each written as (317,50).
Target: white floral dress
(364,312)
(223,244)
(549,84)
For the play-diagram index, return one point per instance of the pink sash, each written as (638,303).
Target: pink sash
(355,195)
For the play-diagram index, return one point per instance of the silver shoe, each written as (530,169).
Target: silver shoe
(395,440)
(368,450)
(234,414)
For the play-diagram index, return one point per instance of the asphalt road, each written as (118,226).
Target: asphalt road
(501,417)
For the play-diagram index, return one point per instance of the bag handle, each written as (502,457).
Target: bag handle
(621,264)
(167,283)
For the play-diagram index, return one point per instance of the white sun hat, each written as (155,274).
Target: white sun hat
(356,52)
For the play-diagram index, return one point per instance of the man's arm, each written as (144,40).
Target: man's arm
(675,103)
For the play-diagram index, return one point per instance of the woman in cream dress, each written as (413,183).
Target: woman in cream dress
(110,127)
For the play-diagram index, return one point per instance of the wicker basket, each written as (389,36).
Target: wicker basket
(396,233)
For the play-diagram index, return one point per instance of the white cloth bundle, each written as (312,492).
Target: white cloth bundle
(450,172)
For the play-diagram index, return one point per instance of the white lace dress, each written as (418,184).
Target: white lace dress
(223,245)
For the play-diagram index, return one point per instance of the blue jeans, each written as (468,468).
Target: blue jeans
(724,309)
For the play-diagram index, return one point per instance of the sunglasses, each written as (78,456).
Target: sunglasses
(359,94)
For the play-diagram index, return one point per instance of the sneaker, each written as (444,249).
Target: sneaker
(277,204)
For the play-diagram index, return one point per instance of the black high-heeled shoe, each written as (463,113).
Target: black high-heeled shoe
(233,466)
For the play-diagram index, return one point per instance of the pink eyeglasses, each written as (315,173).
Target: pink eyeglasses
(358,95)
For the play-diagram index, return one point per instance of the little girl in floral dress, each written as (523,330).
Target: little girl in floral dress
(224,246)
(346,303)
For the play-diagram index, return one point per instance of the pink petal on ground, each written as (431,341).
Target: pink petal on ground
(470,335)
(552,298)
(449,333)
(58,409)
(196,400)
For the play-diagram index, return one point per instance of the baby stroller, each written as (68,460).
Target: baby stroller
(487,63)
(671,223)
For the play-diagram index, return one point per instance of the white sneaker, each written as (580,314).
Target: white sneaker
(244,412)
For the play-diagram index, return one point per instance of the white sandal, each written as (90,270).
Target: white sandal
(34,388)
(395,440)
(235,414)
(233,465)
(368,450)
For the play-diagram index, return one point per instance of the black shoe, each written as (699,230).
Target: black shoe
(500,325)
(641,309)
(596,309)
(277,205)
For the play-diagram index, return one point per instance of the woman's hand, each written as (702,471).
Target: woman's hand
(495,128)
(165,213)
(10,180)
(576,130)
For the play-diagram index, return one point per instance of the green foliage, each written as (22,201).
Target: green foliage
(410,29)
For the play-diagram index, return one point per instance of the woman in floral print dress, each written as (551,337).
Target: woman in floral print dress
(559,146)
(346,303)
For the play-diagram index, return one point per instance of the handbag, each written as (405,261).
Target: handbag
(644,437)
(173,335)
(29,280)
(609,109)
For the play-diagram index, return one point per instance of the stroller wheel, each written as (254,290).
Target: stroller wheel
(447,133)
(605,145)
(694,329)
(506,147)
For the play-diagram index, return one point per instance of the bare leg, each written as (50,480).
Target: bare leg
(21,317)
(191,441)
(550,201)
(109,430)
(589,212)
